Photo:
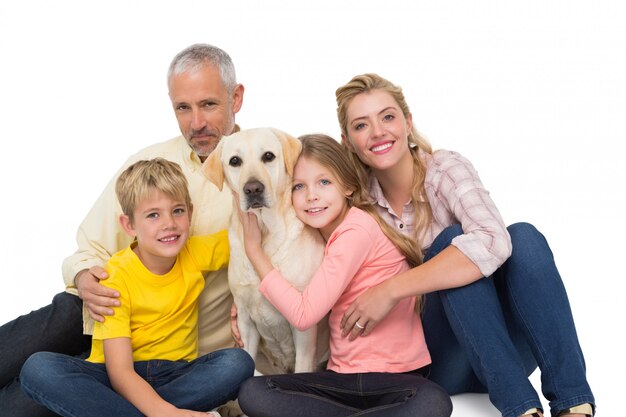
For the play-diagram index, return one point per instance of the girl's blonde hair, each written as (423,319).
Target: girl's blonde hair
(329,153)
(137,183)
(366,83)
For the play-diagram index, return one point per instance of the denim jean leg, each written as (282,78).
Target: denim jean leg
(540,306)
(15,403)
(450,365)
(202,384)
(73,387)
(342,395)
(289,395)
(476,319)
(56,328)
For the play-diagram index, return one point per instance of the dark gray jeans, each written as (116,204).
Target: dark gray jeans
(57,327)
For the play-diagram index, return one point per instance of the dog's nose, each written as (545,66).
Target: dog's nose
(253,187)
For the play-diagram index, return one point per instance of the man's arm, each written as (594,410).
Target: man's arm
(99,236)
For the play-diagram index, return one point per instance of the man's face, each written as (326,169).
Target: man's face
(204,109)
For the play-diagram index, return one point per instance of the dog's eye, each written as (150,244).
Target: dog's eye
(268,157)
(235,161)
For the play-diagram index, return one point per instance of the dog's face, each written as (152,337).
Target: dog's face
(256,163)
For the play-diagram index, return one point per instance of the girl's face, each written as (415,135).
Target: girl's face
(317,197)
(377,130)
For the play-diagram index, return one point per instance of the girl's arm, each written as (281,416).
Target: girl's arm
(252,243)
(346,252)
(126,382)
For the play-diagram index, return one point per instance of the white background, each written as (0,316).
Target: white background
(533,92)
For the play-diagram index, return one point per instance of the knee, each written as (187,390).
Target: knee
(437,401)
(69,303)
(239,361)
(250,393)
(443,240)
(37,369)
(526,239)
(523,230)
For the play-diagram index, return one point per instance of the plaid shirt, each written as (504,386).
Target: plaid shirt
(456,196)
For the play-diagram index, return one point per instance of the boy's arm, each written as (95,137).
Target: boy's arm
(118,355)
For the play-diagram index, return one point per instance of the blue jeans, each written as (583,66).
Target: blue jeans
(489,336)
(73,387)
(332,394)
(57,327)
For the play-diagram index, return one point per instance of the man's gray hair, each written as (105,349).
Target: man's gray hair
(196,56)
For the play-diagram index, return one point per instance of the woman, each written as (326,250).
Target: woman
(495,306)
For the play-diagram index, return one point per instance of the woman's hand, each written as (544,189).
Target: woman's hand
(367,311)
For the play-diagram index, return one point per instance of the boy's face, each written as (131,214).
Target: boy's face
(161,226)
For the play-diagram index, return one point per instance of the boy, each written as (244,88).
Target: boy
(144,358)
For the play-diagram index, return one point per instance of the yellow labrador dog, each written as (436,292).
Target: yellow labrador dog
(258,165)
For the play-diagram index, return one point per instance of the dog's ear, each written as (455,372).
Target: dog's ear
(212,167)
(291,149)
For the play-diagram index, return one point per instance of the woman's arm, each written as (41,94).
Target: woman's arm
(456,195)
(448,269)
(126,382)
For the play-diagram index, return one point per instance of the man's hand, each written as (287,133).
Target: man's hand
(234,328)
(96,297)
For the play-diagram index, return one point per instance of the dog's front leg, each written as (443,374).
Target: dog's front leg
(249,333)
(305,343)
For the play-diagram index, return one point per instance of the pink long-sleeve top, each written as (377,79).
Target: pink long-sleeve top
(358,256)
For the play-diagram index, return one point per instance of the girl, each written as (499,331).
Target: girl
(486,334)
(380,375)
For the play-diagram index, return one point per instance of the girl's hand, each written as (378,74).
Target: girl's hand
(367,310)
(252,241)
(251,229)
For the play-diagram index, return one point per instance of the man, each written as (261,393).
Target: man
(205,97)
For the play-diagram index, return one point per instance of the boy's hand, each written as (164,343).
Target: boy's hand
(234,328)
(96,297)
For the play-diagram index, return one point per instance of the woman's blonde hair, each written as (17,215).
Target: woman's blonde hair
(329,153)
(137,183)
(366,83)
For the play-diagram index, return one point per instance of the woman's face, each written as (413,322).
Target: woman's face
(377,130)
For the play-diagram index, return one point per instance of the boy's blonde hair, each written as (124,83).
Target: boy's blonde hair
(141,179)
(366,83)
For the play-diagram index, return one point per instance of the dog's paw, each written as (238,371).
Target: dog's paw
(231,409)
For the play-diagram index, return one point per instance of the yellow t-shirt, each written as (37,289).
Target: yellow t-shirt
(100,236)
(159,313)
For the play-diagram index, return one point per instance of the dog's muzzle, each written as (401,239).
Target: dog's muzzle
(254,191)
